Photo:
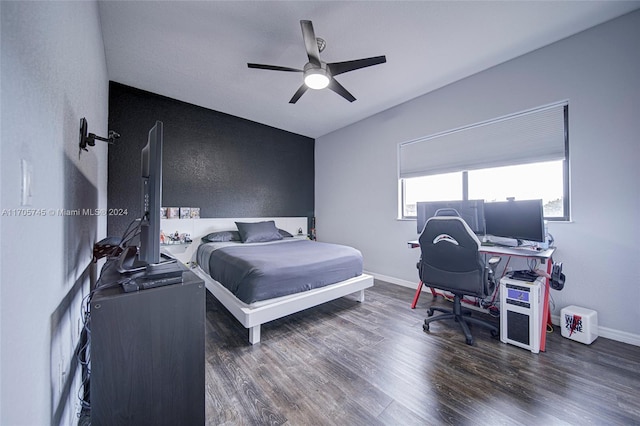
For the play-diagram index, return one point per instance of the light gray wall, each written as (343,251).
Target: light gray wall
(53,73)
(597,71)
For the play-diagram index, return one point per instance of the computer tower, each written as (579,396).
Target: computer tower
(521,306)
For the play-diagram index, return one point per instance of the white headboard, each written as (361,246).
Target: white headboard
(198,228)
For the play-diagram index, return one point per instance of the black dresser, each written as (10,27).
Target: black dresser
(147,353)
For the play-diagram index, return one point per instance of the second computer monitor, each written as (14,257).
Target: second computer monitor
(516,219)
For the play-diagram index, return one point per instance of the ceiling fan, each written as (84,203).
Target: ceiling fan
(317,73)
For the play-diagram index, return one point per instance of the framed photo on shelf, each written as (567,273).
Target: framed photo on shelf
(173,212)
(195,212)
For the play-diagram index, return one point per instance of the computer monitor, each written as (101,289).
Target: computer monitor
(471,211)
(519,220)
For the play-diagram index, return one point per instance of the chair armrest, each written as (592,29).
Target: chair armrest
(493,262)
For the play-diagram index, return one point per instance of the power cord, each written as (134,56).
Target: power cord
(83,354)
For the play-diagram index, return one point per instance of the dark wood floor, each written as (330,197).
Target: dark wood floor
(346,363)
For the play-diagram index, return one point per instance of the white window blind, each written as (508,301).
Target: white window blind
(526,137)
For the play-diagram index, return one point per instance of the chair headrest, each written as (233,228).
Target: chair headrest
(447,211)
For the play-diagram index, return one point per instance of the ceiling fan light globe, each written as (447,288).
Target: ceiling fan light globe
(316,80)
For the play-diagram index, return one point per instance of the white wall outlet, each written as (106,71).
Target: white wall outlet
(26,181)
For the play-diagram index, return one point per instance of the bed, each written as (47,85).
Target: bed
(261,273)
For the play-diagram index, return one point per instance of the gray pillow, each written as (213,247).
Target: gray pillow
(258,232)
(221,236)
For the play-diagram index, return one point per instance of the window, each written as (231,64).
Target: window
(524,156)
(500,183)
(442,187)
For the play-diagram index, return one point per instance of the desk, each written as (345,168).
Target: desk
(544,256)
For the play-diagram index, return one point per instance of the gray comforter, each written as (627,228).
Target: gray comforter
(254,272)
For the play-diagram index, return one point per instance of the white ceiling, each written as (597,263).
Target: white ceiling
(197,51)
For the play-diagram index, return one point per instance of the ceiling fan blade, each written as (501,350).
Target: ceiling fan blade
(340,90)
(310,42)
(298,93)
(273,67)
(341,67)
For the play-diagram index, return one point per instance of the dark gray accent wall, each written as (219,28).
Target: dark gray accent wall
(226,165)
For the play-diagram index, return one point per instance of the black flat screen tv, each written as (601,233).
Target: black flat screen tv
(146,257)
(151,171)
(516,219)
(471,211)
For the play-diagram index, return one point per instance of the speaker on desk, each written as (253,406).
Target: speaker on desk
(521,305)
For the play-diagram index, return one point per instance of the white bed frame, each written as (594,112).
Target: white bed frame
(252,316)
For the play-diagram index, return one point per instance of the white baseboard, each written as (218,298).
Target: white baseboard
(397,281)
(608,333)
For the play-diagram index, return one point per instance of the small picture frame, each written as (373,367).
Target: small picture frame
(163,212)
(173,212)
(185,212)
(195,212)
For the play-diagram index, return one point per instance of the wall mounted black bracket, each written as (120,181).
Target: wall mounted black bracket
(89,139)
